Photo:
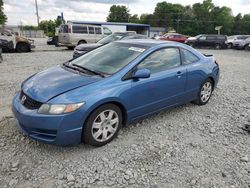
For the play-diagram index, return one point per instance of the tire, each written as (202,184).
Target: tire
(106,128)
(22,47)
(217,46)
(230,46)
(246,47)
(70,47)
(81,42)
(205,92)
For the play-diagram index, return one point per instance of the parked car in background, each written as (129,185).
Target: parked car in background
(52,40)
(210,41)
(71,35)
(242,43)
(173,37)
(84,48)
(90,98)
(235,38)
(9,42)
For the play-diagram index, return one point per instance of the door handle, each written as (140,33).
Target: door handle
(179,73)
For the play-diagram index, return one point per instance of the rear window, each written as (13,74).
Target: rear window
(189,57)
(63,29)
(91,30)
(98,30)
(79,29)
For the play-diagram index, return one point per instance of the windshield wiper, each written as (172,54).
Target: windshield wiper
(89,70)
(66,64)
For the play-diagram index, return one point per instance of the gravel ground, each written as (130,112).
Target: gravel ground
(188,146)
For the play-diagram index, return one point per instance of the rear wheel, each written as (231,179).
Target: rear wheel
(102,125)
(247,47)
(230,45)
(22,47)
(217,46)
(205,92)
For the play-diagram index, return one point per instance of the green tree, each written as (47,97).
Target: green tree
(168,14)
(118,13)
(237,25)
(245,24)
(222,16)
(134,19)
(3,17)
(48,26)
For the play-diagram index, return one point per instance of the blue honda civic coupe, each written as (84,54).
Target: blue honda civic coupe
(89,98)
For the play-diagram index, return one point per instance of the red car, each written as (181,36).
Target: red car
(173,37)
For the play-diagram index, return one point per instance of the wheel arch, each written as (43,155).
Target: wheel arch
(82,40)
(115,102)
(212,79)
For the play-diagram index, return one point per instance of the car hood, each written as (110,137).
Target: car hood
(54,81)
(85,47)
(191,39)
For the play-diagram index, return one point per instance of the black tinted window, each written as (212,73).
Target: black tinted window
(91,30)
(79,29)
(161,60)
(211,38)
(98,30)
(221,38)
(189,57)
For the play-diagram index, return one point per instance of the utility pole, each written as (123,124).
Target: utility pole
(37,15)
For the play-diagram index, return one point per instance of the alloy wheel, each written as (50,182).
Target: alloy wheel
(206,92)
(105,125)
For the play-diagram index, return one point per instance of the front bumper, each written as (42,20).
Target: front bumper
(61,130)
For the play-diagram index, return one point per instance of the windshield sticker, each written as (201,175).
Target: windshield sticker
(136,49)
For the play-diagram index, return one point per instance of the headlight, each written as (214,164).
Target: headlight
(56,109)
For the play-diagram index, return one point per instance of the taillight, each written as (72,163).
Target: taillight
(69,29)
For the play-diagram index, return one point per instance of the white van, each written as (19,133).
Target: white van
(71,35)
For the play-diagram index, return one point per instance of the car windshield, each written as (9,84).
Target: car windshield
(197,36)
(110,58)
(110,38)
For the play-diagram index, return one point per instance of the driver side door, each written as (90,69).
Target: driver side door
(164,88)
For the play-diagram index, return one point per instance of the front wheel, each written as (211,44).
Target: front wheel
(217,46)
(205,92)
(103,125)
(22,47)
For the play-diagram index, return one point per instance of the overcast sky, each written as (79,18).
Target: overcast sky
(23,11)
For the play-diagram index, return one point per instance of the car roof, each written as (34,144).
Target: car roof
(146,42)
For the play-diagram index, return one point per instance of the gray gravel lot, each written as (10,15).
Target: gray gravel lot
(188,146)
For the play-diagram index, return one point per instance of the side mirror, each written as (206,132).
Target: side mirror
(141,73)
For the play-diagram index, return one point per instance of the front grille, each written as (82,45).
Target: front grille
(29,102)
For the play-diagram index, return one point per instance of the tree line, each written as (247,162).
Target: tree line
(190,20)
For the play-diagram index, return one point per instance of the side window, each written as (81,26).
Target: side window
(189,57)
(202,38)
(91,30)
(98,30)
(85,30)
(211,38)
(79,29)
(161,60)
